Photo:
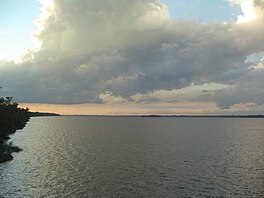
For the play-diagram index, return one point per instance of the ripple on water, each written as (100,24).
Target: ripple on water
(136,157)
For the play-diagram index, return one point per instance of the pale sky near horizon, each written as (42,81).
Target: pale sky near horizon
(134,57)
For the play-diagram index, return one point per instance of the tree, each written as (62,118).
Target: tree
(12,117)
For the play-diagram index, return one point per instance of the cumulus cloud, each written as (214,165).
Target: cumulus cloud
(251,9)
(248,89)
(115,51)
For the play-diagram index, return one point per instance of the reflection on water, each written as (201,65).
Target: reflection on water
(136,157)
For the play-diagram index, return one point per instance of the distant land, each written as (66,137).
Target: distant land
(207,116)
(172,116)
(39,114)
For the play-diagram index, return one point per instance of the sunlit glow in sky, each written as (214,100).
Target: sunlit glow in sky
(247,7)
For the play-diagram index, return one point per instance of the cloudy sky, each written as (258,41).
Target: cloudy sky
(134,57)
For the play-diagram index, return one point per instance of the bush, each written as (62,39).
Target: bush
(11,117)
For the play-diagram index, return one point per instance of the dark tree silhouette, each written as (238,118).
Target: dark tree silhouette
(11,118)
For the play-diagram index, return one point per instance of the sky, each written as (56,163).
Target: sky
(133,57)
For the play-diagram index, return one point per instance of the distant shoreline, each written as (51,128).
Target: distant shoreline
(39,114)
(176,116)
(207,116)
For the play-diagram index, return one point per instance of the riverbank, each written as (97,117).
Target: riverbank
(6,151)
(11,120)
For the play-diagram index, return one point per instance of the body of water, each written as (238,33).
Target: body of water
(81,156)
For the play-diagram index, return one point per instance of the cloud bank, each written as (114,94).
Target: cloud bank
(132,51)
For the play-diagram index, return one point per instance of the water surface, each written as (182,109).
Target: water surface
(136,157)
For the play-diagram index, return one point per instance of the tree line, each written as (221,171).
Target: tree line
(12,117)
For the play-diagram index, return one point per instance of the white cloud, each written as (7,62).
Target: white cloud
(190,93)
(108,97)
(251,9)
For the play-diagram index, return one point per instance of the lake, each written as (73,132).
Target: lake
(82,156)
